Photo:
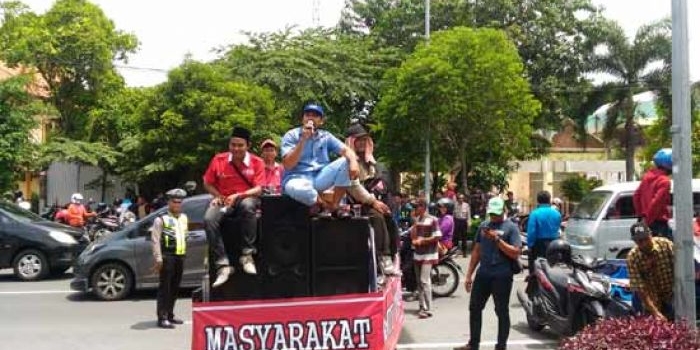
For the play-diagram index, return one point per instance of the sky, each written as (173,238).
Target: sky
(170,30)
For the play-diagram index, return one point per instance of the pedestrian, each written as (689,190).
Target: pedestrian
(462,216)
(542,228)
(497,245)
(650,266)
(510,204)
(306,156)
(273,170)
(234,179)
(425,235)
(451,191)
(446,223)
(653,196)
(169,245)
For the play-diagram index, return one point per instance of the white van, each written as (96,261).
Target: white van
(600,225)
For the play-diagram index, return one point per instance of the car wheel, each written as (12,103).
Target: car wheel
(31,265)
(112,281)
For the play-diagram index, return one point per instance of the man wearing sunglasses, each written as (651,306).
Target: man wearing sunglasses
(169,244)
(650,265)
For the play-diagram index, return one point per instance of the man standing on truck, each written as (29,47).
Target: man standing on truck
(234,179)
(653,196)
(650,265)
(169,244)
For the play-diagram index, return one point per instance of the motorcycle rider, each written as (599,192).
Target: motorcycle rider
(497,243)
(650,265)
(446,223)
(76,214)
(542,228)
(653,196)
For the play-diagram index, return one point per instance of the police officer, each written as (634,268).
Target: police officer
(169,235)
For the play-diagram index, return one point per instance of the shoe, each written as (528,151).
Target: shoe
(381,280)
(165,324)
(463,347)
(222,276)
(248,264)
(174,320)
(388,265)
(422,314)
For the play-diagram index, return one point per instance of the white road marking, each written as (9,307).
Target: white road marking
(29,292)
(483,343)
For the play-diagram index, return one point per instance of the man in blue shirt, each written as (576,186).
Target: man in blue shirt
(497,243)
(543,227)
(309,171)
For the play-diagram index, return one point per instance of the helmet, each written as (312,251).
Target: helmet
(663,159)
(101,207)
(447,203)
(558,251)
(76,198)
(312,107)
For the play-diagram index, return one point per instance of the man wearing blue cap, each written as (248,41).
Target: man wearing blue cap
(306,154)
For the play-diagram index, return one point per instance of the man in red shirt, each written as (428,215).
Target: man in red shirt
(235,180)
(653,196)
(273,170)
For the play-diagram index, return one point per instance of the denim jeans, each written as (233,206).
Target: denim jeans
(484,286)
(304,187)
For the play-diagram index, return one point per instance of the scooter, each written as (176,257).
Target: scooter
(444,275)
(566,299)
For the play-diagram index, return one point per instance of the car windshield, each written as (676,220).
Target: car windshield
(591,205)
(19,214)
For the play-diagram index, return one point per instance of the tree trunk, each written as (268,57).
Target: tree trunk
(103,185)
(630,143)
(464,171)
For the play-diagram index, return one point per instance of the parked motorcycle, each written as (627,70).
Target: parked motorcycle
(569,297)
(444,275)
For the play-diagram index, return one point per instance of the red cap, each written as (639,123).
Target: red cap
(268,142)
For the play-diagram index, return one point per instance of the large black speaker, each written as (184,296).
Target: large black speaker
(342,256)
(284,248)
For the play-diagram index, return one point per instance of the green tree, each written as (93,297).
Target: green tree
(188,119)
(466,90)
(341,72)
(566,30)
(17,111)
(631,65)
(74,47)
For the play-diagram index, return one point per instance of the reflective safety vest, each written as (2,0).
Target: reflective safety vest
(174,235)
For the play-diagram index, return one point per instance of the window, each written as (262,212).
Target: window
(591,205)
(195,210)
(623,208)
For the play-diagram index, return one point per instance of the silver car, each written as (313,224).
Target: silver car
(122,262)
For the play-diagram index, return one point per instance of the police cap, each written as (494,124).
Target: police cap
(176,193)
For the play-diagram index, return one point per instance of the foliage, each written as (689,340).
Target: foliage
(633,333)
(340,72)
(17,110)
(73,45)
(629,63)
(567,30)
(188,119)
(467,92)
(578,186)
(69,150)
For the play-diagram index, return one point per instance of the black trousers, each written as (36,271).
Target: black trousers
(170,277)
(483,287)
(460,237)
(386,233)
(539,250)
(244,212)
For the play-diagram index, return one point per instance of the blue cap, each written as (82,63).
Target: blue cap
(314,108)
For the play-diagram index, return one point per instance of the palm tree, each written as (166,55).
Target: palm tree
(635,67)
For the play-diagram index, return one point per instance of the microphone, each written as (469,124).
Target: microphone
(310,126)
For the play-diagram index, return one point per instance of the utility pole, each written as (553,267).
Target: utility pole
(427,136)
(684,277)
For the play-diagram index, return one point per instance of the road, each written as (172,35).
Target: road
(47,315)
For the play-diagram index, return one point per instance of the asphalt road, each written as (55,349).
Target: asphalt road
(47,315)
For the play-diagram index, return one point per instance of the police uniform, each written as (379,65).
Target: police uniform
(169,235)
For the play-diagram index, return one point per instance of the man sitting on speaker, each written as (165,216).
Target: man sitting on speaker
(306,154)
(385,230)
(235,180)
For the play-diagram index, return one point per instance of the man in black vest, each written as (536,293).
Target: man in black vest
(169,237)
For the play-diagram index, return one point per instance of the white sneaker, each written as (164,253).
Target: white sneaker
(248,264)
(222,276)
(388,265)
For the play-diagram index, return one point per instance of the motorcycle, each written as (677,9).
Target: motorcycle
(444,275)
(568,299)
(101,225)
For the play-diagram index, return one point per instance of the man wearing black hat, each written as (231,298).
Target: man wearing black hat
(306,156)
(169,244)
(650,265)
(234,179)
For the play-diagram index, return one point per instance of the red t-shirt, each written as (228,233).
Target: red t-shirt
(225,178)
(273,177)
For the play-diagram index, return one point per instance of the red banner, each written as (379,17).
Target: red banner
(357,321)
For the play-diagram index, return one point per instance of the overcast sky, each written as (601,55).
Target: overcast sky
(168,30)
